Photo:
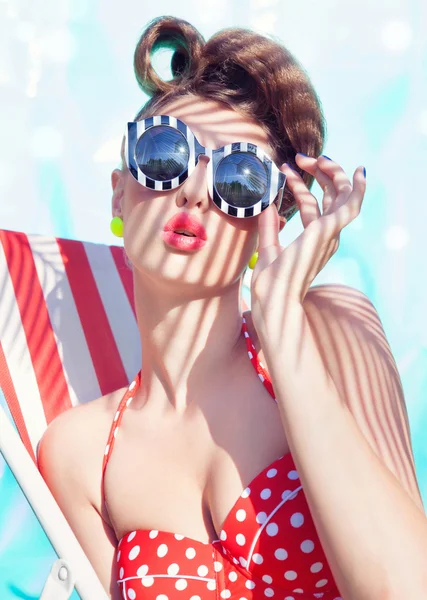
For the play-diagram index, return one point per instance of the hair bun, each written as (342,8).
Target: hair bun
(167,32)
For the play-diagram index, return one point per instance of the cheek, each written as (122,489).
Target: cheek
(233,247)
(144,213)
(144,217)
(134,194)
(244,230)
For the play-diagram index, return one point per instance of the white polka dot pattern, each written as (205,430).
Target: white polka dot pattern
(307,546)
(202,571)
(265,494)
(280,554)
(261,517)
(142,571)
(268,546)
(173,569)
(134,552)
(162,550)
(246,493)
(181,584)
(272,529)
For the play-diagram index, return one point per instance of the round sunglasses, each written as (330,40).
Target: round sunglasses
(161,153)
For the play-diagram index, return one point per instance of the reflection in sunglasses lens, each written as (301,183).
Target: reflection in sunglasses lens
(241,179)
(162,153)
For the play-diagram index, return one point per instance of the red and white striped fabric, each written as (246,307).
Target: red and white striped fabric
(68,332)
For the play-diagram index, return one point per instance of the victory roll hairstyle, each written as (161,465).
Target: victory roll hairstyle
(252,74)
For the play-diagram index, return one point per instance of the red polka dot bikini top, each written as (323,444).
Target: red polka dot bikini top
(267,548)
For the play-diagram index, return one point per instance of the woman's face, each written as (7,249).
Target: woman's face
(230,241)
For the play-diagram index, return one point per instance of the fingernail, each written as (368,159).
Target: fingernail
(306,155)
(364,172)
(324,156)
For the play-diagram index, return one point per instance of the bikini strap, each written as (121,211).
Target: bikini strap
(124,403)
(257,364)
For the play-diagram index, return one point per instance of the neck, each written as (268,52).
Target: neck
(188,344)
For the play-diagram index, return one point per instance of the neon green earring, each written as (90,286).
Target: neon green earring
(253,260)
(116,226)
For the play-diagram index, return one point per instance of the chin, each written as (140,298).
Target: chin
(203,271)
(183,280)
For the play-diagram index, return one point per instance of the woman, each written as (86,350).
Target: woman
(312,428)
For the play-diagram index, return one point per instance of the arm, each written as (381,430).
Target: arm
(356,468)
(61,455)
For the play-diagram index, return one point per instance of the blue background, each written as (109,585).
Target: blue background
(67,89)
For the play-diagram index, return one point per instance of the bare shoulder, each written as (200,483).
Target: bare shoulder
(77,427)
(72,448)
(335,295)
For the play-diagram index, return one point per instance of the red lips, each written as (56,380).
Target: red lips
(185,222)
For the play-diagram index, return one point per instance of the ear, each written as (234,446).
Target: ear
(117,183)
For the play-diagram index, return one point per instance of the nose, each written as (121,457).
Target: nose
(194,191)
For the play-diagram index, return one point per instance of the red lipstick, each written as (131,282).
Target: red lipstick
(184,232)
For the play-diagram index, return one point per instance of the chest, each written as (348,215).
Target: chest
(266,546)
(187,478)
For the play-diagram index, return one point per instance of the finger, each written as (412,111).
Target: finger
(307,203)
(340,181)
(269,246)
(351,208)
(268,228)
(307,163)
(324,181)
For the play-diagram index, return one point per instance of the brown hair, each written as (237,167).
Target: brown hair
(251,73)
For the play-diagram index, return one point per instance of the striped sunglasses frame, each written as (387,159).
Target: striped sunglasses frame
(276,180)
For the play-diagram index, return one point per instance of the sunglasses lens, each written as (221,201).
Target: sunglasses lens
(162,153)
(241,179)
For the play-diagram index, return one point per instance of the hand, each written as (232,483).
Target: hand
(285,274)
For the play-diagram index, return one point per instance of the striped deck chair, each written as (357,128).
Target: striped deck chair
(68,335)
